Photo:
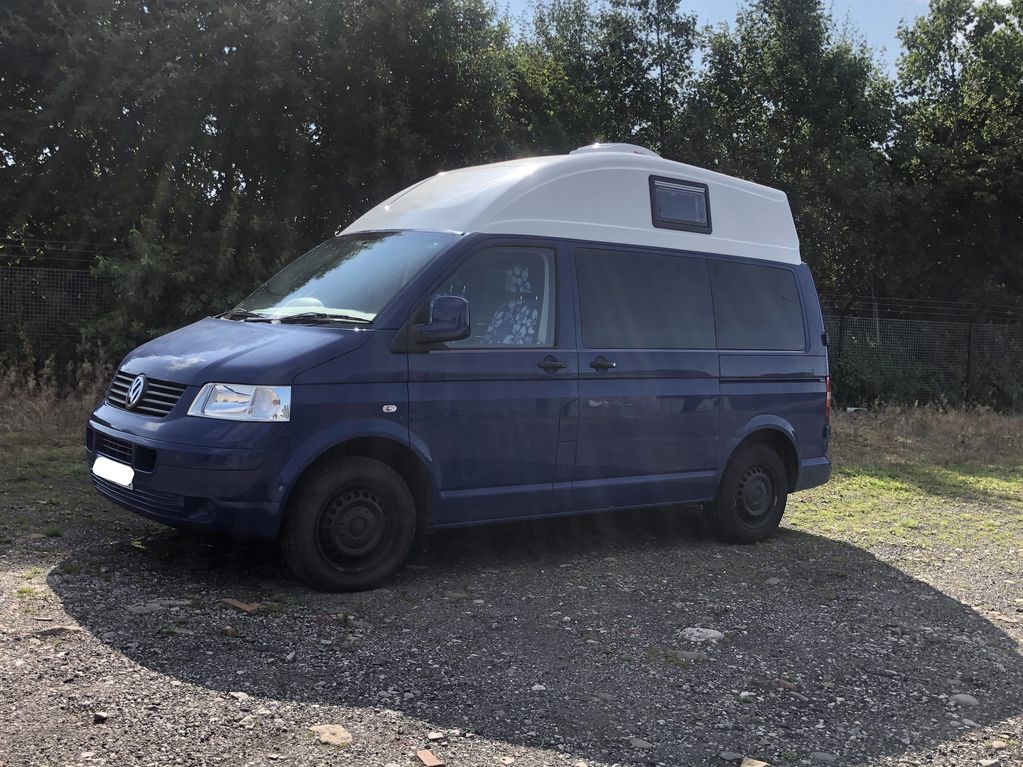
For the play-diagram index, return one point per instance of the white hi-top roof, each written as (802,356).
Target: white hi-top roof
(599,193)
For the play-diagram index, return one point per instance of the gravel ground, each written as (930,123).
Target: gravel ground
(551,643)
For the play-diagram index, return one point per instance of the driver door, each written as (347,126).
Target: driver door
(489,409)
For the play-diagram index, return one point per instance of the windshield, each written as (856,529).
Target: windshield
(348,278)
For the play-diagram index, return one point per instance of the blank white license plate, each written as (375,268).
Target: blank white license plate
(119,473)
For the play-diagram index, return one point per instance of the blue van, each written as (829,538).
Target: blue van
(548,336)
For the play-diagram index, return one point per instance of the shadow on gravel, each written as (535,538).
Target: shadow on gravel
(569,635)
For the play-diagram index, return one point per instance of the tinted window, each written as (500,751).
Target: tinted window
(756,307)
(678,204)
(644,301)
(511,297)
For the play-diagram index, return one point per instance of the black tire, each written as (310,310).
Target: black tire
(349,525)
(751,497)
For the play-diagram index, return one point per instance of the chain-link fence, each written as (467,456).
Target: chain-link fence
(880,349)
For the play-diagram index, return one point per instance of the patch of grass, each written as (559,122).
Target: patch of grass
(917,504)
(928,435)
(28,592)
(46,492)
(43,460)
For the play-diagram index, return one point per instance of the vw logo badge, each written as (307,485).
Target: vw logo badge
(135,392)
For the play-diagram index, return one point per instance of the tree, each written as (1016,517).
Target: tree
(194,146)
(644,68)
(959,149)
(554,102)
(620,73)
(204,143)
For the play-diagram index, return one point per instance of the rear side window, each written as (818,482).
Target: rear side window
(756,307)
(632,300)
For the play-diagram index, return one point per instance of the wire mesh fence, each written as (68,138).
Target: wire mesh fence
(884,349)
(42,309)
(881,349)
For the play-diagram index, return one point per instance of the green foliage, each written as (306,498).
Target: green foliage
(198,145)
(958,150)
(209,142)
(620,73)
(869,374)
(999,387)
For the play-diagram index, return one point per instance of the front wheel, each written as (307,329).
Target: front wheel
(751,497)
(349,525)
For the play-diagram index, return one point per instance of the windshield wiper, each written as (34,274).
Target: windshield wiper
(244,315)
(321,317)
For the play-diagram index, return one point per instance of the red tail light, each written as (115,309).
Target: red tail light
(827,398)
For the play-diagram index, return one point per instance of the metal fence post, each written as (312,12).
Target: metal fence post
(969,361)
(969,353)
(841,326)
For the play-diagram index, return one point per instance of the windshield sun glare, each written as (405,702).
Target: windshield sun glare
(348,278)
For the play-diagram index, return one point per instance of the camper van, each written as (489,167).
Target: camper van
(548,336)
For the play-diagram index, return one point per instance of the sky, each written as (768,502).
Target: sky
(876,20)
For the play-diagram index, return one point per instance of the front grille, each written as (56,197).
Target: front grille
(111,447)
(158,400)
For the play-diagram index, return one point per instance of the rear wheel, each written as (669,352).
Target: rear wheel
(751,497)
(349,525)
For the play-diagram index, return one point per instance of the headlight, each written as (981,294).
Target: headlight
(242,402)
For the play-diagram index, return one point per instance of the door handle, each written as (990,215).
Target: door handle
(602,363)
(551,364)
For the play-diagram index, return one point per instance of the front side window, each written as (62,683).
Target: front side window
(632,300)
(511,297)
(350,277)
(756,307)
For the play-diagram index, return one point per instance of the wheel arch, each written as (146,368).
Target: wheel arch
(779,437)
(386,449)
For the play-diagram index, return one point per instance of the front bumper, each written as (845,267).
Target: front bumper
(233,491)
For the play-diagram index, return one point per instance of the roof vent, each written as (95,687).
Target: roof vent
(627,148)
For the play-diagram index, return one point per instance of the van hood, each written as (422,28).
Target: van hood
(228,351)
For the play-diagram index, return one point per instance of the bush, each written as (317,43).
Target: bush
(869,375)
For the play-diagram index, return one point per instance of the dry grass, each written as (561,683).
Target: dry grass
(974,437)
(34,400)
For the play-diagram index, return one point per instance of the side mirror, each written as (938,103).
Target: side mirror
(449,321)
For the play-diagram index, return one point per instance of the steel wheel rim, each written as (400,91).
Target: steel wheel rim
(354,528)
(754,496)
